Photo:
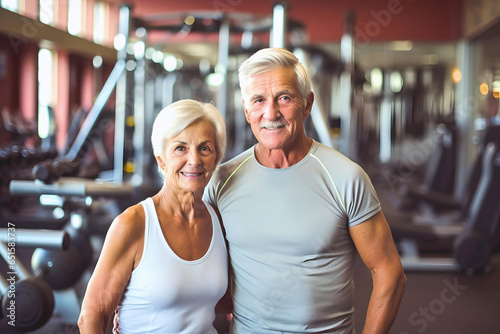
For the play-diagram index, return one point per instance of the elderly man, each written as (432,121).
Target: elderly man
(296,214)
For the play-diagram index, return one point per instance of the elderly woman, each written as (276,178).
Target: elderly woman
(163,265)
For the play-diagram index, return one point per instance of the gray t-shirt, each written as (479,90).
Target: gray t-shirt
(291,253)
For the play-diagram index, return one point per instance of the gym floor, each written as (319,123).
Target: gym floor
(439,303)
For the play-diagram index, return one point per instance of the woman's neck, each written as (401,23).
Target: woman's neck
(186,205)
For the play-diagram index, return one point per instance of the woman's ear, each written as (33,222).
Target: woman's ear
(161,163)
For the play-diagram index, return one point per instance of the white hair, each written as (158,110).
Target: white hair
(173,119)
(268,59)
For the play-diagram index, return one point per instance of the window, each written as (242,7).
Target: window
(44,91)
(100,22)
(75,17)
(47,11)
(11,5)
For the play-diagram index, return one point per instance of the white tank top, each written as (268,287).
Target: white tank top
(166,294)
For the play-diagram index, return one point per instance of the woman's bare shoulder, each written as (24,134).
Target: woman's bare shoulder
(130,223)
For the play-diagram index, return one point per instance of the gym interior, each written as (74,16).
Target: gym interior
(407,89)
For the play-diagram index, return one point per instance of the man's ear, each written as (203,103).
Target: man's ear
(309,104)
(247,114)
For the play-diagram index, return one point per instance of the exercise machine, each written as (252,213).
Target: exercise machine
(470,242)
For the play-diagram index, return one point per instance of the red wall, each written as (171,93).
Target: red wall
(378,20)
(9,75)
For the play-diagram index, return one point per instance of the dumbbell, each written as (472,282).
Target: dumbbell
(50,154)
(7,158)
(4,286)
(27,299)
(15,152)
(61,269)
(51,170)
(4,180)
(28,303)
(4,156)
(26,156)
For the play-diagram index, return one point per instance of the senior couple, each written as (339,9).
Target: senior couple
(291,213)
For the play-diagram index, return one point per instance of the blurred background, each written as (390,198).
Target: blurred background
(408,89)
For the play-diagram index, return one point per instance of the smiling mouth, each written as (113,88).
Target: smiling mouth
(273,126)
(191,174)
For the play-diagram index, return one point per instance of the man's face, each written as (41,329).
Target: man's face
(275,108)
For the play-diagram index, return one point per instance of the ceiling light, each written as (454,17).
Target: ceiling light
(456,75)
(483,88)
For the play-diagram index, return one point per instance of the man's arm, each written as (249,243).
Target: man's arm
(373,240)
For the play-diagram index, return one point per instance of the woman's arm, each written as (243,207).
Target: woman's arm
(225,304)
(121,250)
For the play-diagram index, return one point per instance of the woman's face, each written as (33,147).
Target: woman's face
(190,157)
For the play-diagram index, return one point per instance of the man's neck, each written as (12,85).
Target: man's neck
(283,157)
